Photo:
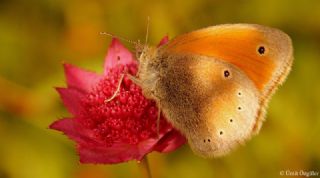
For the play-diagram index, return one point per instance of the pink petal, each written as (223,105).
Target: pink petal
(117,55)
(163,41)
(118,153)
(170,142)
(73,130)
(80,79)
(71,99)
(115,154)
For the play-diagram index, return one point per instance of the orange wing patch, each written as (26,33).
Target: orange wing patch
(237,45)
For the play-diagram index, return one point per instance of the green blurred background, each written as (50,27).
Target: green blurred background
(36,36)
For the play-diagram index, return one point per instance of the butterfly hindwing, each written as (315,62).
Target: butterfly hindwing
(212,102)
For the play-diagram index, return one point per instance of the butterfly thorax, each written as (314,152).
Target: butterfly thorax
(148,73)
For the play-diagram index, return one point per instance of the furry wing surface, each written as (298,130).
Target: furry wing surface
(201,96)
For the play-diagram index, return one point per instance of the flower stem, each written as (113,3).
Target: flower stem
(145,168)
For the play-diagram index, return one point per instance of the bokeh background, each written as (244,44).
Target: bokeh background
(36,36)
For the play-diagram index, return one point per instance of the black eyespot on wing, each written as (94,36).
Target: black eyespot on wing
(226,73)
(220,132)
(261,50)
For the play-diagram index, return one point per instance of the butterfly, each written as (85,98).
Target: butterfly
(214,84)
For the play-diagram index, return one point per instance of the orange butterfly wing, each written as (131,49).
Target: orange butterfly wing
(238,44)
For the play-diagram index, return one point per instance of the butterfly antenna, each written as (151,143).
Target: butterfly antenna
(121,38)
(147,33)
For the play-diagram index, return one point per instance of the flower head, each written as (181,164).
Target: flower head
(121,129)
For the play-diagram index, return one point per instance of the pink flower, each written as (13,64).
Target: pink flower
(120,130)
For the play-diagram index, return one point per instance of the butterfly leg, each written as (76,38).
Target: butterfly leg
(117,89)
(134,79)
